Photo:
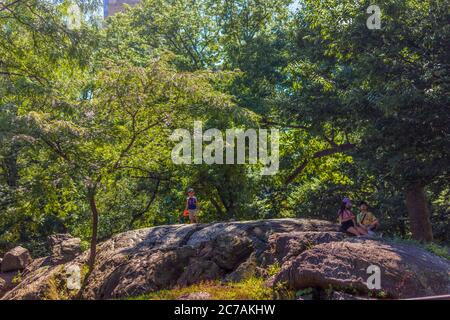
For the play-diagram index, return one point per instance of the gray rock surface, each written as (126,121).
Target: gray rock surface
(2,284)
(336,295)
(195,296)
(64,248)
(311,254)
(16,259)
(285,246)
(146,260)
(406,270)
(6,282)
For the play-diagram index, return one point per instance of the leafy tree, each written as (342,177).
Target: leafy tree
(86,112)
(36,50)
(385,87)
(124,127)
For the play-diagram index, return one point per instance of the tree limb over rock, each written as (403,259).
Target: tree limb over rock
(319,154)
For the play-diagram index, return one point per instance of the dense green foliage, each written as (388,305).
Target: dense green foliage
(86,113)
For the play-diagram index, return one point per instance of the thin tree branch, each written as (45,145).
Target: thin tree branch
(150,202)
(319,154)
(5,6)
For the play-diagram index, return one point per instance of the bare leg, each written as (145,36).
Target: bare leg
(353,231)
(362,230)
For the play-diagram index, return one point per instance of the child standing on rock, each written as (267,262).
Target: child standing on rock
(192,206)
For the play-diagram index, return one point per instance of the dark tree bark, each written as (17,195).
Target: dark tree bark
(217,206)
(140,214)
(94,211)
(225,203)
(11,169)
(93,252)
(419,215)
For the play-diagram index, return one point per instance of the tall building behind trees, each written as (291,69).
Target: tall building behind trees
(111,7)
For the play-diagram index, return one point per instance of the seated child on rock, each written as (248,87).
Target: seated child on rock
(366,219)
(347,219)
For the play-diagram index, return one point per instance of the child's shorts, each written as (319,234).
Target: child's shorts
(193,213)
(346,225)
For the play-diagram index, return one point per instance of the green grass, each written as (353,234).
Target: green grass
(250,289)
(441,251)
(17,278)
(274,269)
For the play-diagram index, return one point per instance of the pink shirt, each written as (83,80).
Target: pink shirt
(346,214)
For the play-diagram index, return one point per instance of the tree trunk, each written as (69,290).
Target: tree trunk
(93,206)
(93,249)
(419,216)
(216,205)
(11,169)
